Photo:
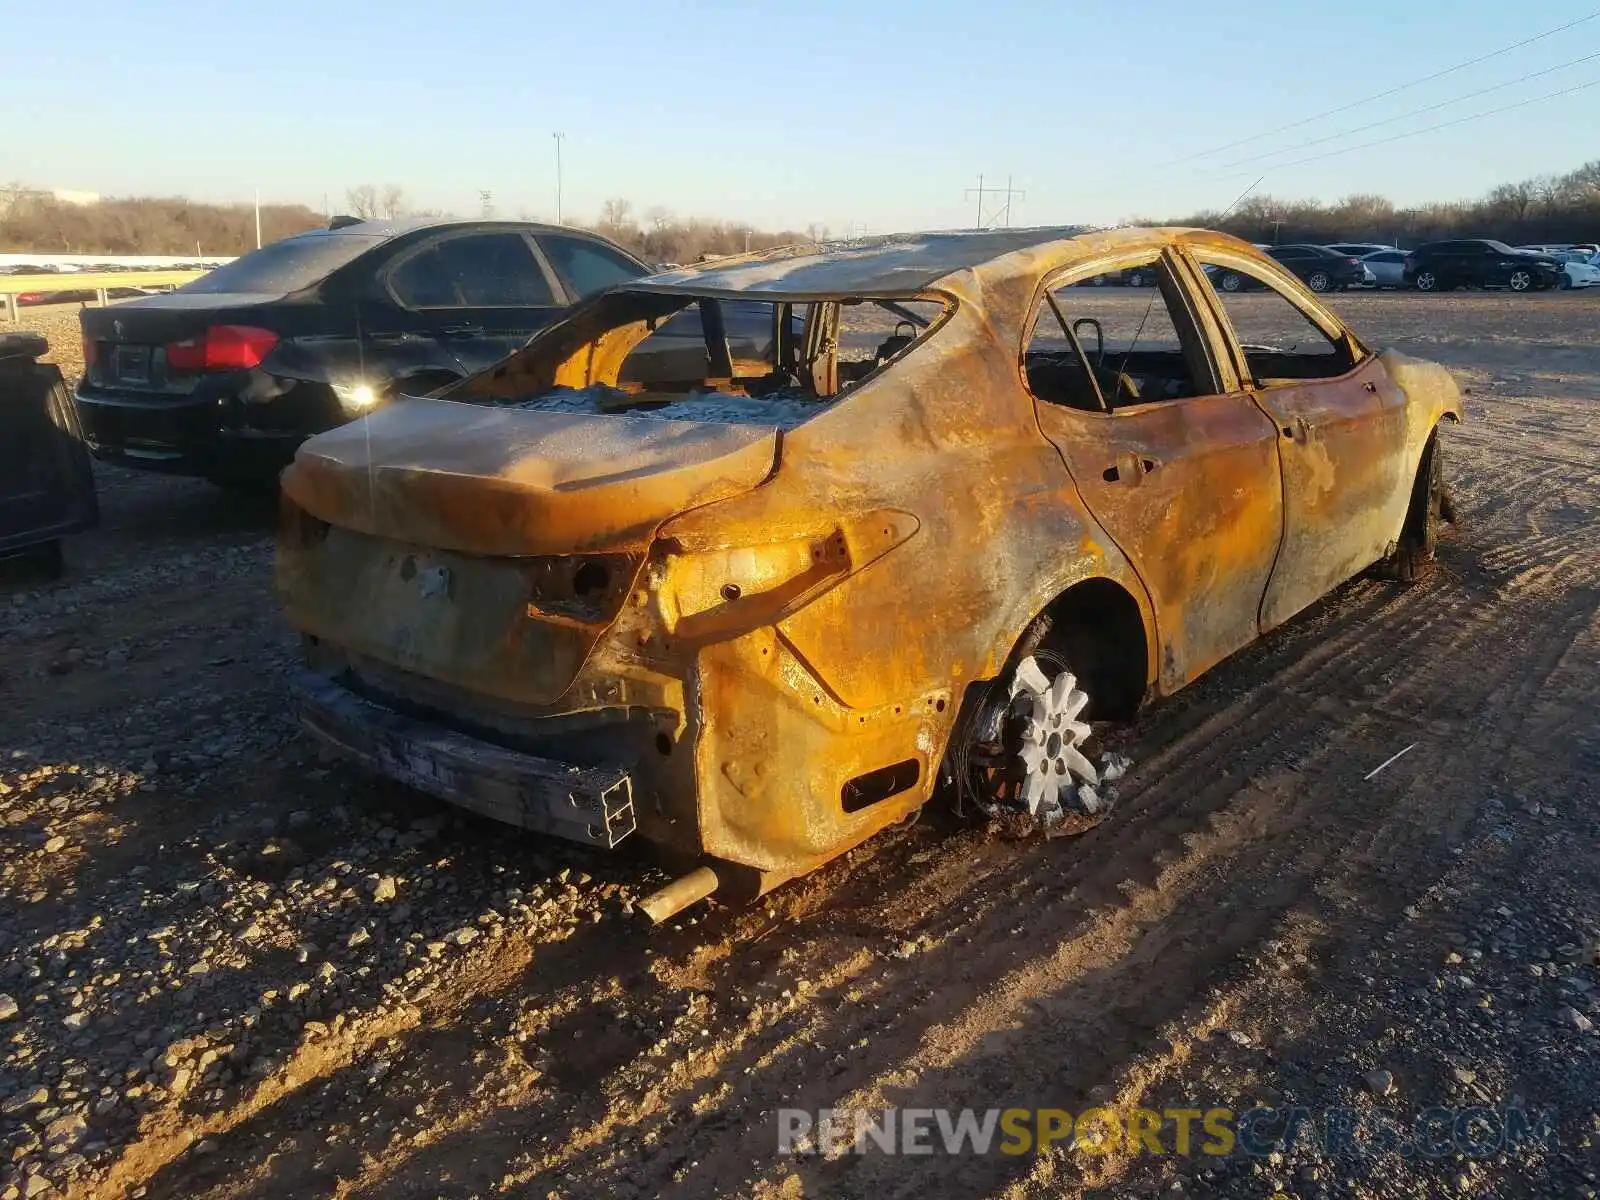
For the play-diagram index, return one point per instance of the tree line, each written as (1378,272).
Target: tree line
(1549,208)
(37,221)
(1545,209)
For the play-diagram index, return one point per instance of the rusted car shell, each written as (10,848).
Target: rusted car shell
(791,613)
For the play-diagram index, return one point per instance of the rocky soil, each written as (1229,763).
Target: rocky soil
(231,969)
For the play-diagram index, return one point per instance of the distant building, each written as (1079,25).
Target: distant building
(68,196)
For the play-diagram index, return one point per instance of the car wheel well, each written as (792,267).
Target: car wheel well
(1098,628)
(1095,629)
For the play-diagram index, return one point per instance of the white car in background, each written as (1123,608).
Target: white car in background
(1387,268)
(1580,270)
(1580,265)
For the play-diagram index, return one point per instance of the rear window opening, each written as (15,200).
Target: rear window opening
(728,361)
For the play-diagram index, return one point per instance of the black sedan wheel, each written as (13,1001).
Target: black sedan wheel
(1138,278)
(1426,281)
(1319,281)
(1520,281)
(1232,281)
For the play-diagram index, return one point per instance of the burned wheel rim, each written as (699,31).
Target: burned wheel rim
(1022,754)
(1520,281)
(1051,737)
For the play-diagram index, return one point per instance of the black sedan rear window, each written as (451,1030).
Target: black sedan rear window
(285,266)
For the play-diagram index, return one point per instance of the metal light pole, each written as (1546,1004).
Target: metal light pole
(258,218)
(558,137)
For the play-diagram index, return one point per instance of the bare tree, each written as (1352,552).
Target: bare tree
(617,214)
(363,201)
(1512,200)
(391,203)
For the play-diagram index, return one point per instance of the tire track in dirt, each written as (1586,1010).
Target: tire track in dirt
(1386,835)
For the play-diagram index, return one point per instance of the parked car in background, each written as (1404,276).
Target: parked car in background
(1387,267)
(1479,262)
(1319,268)
(1579,270)
(1132,277)
(225,376)
(539,608)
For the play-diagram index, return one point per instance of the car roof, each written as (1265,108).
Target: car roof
(906,264)
(394,228)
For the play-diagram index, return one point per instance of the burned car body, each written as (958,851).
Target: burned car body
(755,617)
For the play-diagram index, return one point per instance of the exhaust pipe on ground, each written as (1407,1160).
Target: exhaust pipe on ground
(678,895)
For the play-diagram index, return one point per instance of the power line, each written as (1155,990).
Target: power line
(1441,125)
(1415,112)
(1396,90)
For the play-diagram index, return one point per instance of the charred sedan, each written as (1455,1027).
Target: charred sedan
(756,616)
(225,376)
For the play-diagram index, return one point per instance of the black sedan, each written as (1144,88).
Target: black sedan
(225,376)
(1480,262)
(1321,269)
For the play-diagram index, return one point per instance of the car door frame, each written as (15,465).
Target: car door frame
(474,345)
(1186,579)
(1342,439)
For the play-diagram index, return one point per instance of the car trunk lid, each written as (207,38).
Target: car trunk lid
(507,481)
(433,522)
(125,345)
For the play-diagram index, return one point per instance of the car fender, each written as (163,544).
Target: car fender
(1432,395)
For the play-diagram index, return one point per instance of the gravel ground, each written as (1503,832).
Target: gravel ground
(230,969)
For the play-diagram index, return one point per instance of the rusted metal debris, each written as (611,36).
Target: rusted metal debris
(783,633)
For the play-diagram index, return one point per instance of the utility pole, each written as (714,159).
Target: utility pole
(558,137)
(486,202)
(1008,192)
(258,218)
(1011,193)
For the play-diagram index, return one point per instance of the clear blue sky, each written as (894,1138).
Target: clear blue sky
(867,114)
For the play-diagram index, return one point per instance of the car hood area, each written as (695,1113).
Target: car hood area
(508,481)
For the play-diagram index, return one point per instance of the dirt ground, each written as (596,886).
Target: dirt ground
(231,970)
